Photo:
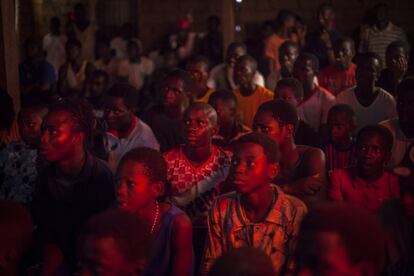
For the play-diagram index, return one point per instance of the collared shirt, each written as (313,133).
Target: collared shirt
(347,186)
(401,142)
(229,228)
(194,188)
(139,135)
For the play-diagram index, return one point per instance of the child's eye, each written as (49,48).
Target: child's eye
(130,184)
(250,163)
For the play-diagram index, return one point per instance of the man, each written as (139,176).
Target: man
(198,68)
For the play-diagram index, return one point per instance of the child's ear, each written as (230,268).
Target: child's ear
(79,138)
(158,188)
(273,170)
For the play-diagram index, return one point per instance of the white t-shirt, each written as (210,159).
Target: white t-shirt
(314,110)
(54,46)
(383,108)
(136,72)
(218,78)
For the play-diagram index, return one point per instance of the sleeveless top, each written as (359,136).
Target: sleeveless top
(76,79)
(161,261)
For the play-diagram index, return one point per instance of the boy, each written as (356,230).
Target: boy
(317,100)
(368,184)
(249,95)
(114,243)
(166,120)
(142,175)
(96,92)
(340,151)
(197,169)
(198,68)
(221,76)
(259,214)
(291,91)
(396,59)
(340,76)
(402,128)
(72,178)
(339,239)
(371,104)
(230,127)
(18,159)
(105,60)
(302,170)
(125,130)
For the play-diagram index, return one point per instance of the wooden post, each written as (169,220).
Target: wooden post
(228,19)
(9,78)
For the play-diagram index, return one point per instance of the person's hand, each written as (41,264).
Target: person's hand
(402,65)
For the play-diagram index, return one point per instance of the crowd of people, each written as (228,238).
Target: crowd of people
(293,155)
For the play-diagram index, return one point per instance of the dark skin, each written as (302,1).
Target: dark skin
(30,121)
(244,71)
(327,21)
(226,114)
(251,173)
(313,185)
(199,74)
(287,59)
(397,62)
(367,74)
(174,96)
(304,72)
(341,126)
(199,127)
(118,115)
(405,109)
(343,55)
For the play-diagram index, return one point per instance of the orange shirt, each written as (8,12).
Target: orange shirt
(248,106)
(204,99)
(272,45)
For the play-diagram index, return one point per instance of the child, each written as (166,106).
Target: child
(114,243)
(142,174)
(18,159)
(125,130)
(197,169)
(291,91)
(340,151)
(340,76)
(371,104)
(249,95)
(105,60)
(302,168)
(259,214)
(368,184)
(317,100)
(230,128)
(96,92)
(198,68)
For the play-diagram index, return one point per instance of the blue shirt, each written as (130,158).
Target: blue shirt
(37,72)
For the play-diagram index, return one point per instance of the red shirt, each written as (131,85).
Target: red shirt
(337,80)
(347,186)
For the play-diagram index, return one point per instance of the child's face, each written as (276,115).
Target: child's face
(250,169)
(266,124)
(226,111)
(30,123)
(367,71)
(102,256)
(303,71)
(98,86)
(234,54)
(134,188)
(287,94)
(243,73)
(198,128)
(198,71)
(371,152)
(288,58)
(117,113)
(340,126)
(174,93)
(72,52)
(394,57)
(343,55)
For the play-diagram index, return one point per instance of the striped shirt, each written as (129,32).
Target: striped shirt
(374,40)
(339,159)
(229,227)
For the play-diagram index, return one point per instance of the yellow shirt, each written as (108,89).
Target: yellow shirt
(248,105)
(204,99)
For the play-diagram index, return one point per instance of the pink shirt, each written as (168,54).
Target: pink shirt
(347,186)
(336,80)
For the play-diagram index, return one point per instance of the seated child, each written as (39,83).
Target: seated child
(197,169)
(142,174)
(249,95)
(18,159)
(302,168)
(368,184)
(230,127)
(339,239)
(259,214)
(114,243)
(291,91)
(340,150)
(341,75)
(125,130)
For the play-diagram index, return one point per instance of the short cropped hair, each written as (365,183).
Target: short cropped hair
(360,232)
(73,42)
(406,86)
(129,232)
(200,59)
(344,108)
(285,46)
(151,159)
(282,111)
(310,57)
(324,6)
(293,84)
(399,44)
(235,45)
(222,95)
(182,75)
(241,262)
(250,60)
(360,58)
(270,147)
(82,116)
(125,91)
(207,109)
(16,226)
(380,130)
(342,40)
